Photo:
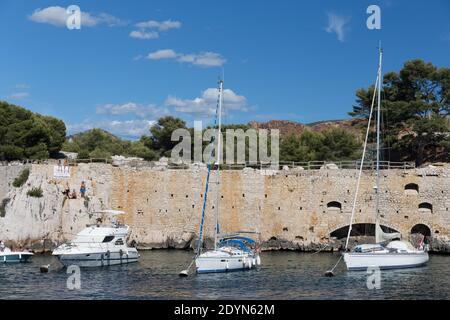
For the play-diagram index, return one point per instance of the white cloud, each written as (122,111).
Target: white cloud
(139,110)
(57,16)
(19,95)
(161,26)
(131,129)
(337,24)
(108,19)
(203,59)
(206,103)
(144,35)
(162,54)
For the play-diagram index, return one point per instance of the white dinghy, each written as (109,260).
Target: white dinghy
(8,256)
(388,252)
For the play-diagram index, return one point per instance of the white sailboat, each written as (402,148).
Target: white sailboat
(99,245)
(388,252)
(232,252)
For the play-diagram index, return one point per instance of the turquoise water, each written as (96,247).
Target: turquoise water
(283,275)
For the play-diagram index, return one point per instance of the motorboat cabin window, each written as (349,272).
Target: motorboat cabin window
(108,239)
(119,242)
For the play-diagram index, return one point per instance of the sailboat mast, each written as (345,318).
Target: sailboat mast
(219,156)
(377,191)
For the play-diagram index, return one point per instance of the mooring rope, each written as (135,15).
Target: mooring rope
(327,245)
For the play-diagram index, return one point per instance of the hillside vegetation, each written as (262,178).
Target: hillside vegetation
(415,123)
(28,135)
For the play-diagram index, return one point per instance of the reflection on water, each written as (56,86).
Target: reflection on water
(283,275)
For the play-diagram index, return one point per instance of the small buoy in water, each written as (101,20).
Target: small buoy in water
(183,273)
(329,273)
(44,268)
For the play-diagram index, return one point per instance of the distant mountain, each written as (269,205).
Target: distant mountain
(95,130)
(287,127)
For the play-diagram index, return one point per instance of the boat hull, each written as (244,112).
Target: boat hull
(225,264)
(362,261)
(15,257)
(91,260)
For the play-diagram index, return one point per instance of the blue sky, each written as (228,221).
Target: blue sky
(134,61)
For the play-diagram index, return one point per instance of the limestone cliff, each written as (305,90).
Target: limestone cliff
(293,209)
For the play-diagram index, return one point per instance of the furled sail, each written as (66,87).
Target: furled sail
(381,236)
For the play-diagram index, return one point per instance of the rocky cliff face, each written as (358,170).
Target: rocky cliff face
(46,221)
(292,209)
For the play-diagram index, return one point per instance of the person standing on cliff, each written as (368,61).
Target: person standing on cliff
(66,191)
(82,189)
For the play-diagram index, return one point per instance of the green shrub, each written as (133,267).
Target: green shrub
(3,207)
(22,178)
(35,192)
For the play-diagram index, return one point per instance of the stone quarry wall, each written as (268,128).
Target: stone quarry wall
(293,209)
(7,175)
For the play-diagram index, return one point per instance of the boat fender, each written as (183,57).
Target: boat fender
(227,265)
(254,261)
(244,261)
(258,260)
(250,263)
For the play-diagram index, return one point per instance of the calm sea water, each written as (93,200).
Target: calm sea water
(283,275)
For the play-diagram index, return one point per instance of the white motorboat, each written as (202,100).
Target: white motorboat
(8,256)
(388,252)
(98,246)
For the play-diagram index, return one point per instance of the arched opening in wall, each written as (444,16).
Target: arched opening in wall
(420,234)
(422,229)
(425,207)
(412,189)
(359,230)
(334,206)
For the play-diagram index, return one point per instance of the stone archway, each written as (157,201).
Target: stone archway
(334,206)
(420,233)
(425,207)
(422,229)
(412,189)
(359,230)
